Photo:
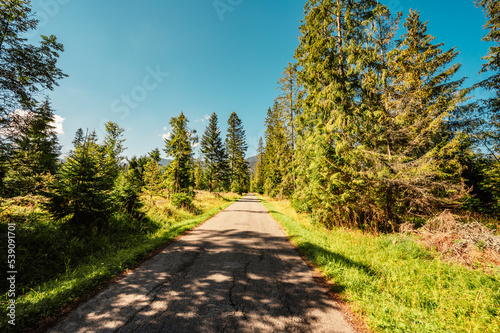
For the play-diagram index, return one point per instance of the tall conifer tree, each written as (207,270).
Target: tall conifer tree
(332,58)
(215,154)
(179,146)
(82,190)
(490,108)
(422,170)
(35,151)
(26,69)
(259,173)
(236,149)
(277,182)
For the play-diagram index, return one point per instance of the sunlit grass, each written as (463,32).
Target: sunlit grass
(394,283)
(57,264)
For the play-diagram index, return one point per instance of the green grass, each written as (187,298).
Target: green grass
(57,264)
(394,283)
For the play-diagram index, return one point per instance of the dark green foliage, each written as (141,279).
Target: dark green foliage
(111,150)
(216,159)
(259,174)
(183,200)
(277,155)
(179,146)
(136,166)
(126,194)
(333,59)
(363,132)
(239,178)
(26,69)
(488,120)
(34,153)
(82,189)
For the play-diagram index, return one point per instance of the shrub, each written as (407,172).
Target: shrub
(126,195)
(81,189)
(183,200)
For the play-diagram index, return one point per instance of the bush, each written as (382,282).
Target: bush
(126,195)
(81,190)
(183,200)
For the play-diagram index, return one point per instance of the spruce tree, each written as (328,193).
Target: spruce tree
(82,190)
(490,108)
(179,146)
(153,180)
(213,150)
(112,149)
(26,69)
(289,99)
(259,173)
(333,56)
(277,155)
(155,155)
(236,149)
(421,158)
(35,151)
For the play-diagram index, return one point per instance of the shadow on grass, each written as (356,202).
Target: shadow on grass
(46,250)
(321,256)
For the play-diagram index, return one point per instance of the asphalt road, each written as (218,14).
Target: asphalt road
(235,273)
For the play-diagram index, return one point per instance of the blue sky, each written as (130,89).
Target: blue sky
(141,63)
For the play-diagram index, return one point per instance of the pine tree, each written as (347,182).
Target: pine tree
(26,69)
(422,170)
(259,173)
(82,190)
(111,151)
(236,149)
(199,176)
(289,100)
(126,194)
(375,142)
(489,120)
(35,151)
(277,155)
(179,146)
(333,57)
(216,159)
(155,155)
(79,138)
(153,179)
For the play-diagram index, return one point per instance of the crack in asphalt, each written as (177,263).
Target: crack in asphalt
(155,292)
(224,276)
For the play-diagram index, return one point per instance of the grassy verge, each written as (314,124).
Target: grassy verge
(57,265)
(394,283)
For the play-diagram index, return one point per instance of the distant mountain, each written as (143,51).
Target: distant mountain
(165,162)
(252,161)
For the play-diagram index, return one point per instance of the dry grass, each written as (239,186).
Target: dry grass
(460,239)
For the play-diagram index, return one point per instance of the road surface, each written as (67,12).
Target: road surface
(235,273)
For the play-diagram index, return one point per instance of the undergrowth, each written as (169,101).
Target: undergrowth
(393,282)
(58,263)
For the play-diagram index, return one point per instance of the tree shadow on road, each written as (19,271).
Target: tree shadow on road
(226,281)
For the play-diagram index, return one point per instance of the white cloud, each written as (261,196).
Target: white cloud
(165,128)
(23,115)
(202,120)
(196,145)
(58,124)
(166,136)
